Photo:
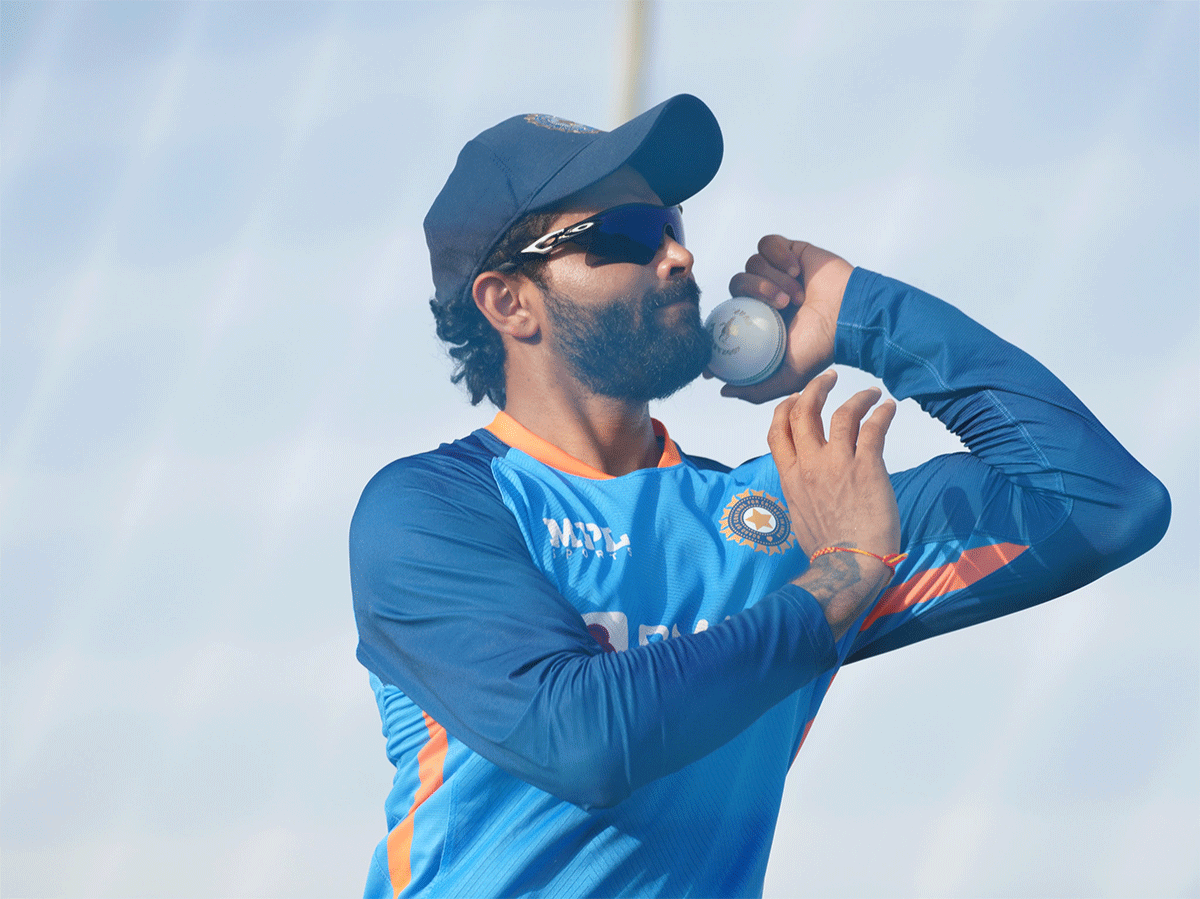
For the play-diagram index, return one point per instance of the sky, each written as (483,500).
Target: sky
(214,330)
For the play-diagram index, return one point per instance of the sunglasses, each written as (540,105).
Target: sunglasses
(630,233)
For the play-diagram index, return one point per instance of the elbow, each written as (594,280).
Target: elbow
(580,773)
(1137,520)
(1152,513)
(599,799)
(592,780)
(578,740)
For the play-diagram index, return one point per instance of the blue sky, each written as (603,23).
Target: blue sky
(213,285)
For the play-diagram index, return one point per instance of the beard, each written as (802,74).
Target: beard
(623,351)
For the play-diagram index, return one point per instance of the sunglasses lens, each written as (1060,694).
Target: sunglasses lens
(633,233)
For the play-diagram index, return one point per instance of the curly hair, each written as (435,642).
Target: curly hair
(475,345)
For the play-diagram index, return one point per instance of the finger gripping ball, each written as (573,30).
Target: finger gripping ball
(749,339)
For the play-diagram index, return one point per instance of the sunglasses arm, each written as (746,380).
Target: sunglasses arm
(548,242)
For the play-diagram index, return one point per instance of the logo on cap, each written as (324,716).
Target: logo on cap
(755,518)
(554,123)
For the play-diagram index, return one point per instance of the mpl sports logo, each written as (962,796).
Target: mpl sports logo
(584,537)
(757,519)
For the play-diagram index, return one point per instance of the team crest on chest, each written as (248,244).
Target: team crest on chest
(755,518)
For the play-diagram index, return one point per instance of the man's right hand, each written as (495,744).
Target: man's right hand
(838,494)
(792,273)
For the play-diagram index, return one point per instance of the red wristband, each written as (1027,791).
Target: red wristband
(891,560)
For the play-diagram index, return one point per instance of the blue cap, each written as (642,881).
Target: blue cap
(532,162)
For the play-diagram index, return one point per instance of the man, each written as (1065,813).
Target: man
(596,656)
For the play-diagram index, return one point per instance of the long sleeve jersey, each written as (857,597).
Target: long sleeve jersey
(595,686)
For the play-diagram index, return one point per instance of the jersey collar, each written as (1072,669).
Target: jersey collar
(507,429)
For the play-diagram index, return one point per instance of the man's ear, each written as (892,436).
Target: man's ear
(504,301)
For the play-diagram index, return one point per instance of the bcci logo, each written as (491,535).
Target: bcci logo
(554,123)
(757,519)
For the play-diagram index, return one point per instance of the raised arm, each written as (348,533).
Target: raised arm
(1046,501)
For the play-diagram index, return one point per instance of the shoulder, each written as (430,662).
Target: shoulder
(454,476)
(462,465)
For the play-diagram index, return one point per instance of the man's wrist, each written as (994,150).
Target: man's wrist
(844,584)
(847,338)
(891,560)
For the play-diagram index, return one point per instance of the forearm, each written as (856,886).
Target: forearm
(598,728)
(1010,411)
(453,612)
(1045,501)
(588,726)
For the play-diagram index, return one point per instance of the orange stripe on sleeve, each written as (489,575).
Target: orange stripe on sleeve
(973,565)
(803,737)
(431,763)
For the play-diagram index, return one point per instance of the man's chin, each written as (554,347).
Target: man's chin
(683,373)
(635,350)
(642,382)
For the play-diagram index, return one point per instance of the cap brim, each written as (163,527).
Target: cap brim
(676,146)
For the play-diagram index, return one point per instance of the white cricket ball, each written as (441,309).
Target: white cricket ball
(749,339)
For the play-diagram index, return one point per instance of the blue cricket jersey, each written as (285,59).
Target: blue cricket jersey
(595,686)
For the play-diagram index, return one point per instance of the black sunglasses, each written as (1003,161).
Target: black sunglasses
(630,233)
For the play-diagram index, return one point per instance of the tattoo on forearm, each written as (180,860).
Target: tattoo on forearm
(844,584)
(833,575)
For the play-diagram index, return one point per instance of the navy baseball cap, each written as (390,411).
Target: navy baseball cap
(532,162)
